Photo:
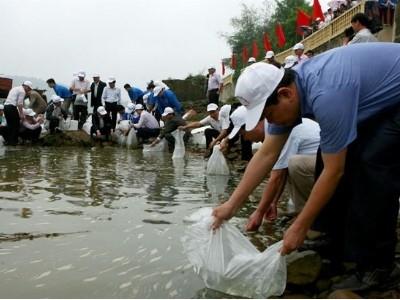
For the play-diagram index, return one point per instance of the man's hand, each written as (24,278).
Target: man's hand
(182,127)
(224,145)
(293,238)
(98,133)
(222,213)
(255,221)
(155,142)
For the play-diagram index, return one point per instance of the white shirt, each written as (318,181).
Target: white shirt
(304,139)
(16,96)
(81,85)
(214,81)
(147,120)
(221,123)
(363,36)
(111,95)
(302,58)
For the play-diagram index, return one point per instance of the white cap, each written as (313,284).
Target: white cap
(252,59)
(167,111)
(111,79)
(139,106)
(254,86)
(212,107)
(270,54)
(81,74)
(290,61)
(95,75)
(298,46)
(56,99)
(29,112)
(211,67)
(130,108)
(157,90)
(101,110)
(28,84)
(318,19)
(238,118)
(160,83)
(1,106)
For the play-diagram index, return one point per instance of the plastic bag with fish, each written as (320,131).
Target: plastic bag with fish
(131,140)
(217,164)
(228,262)
(179,149)
(160,147)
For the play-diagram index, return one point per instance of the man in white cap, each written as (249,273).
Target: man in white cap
(111,98)
(13,110)
(80,88)
(299,53)
(214,87)
(31,126)
(219,122)
(290,62)
(270,58)
(172,122)
(355,199)
(96,91)
(55,114)
(164,97)
(101,124)
(251,61)
(148,126)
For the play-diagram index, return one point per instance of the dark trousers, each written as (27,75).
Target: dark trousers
(246,148)
(13,123)
(112,111)
(213,96)
(80,114)
(210,133)
(53,123)
(30,134)
(361,217)
(145,133)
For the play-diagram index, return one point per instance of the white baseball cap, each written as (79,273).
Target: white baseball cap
(81,74)
(238,118)
(167,111)
(101,110)
(1,106)
(56,99)
(290,61)
(28,84)
(211,67)
(252,59)
(146,96)
(139,106)
(130,108)
(157,90)
(254,86)
(270,54)
(298,46)
(111,79)
(29,112)
(212,107)
(95,75)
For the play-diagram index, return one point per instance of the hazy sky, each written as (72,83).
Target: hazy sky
(133,40)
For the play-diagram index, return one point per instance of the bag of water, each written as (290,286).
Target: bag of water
(229,263)
(179,149)
(217,164)
(131,140)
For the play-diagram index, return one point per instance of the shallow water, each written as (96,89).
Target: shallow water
(113,219)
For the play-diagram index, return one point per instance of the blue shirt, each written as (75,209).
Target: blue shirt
(168,99)
(130,117)
(135,94)
(62,91)
(345,86)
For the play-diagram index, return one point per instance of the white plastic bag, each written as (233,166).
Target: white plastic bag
(88,125)
(228,262)
(131,140)
(160,147)
(179,149)
(217,164)
(81,97)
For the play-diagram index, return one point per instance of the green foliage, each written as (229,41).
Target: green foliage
(253,22)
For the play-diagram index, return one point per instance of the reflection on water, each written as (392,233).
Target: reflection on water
(101,222)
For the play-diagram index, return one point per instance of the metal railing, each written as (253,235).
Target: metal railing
(327,33)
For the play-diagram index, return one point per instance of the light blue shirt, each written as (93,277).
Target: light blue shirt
(168,99)
(346,86)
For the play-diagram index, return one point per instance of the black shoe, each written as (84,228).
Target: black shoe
(382,279)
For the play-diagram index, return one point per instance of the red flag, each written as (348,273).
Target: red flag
(223,69)
(280,35)
(302,20)
(255,50)
(317,11)
(245,55)
(266,42)
(233,61)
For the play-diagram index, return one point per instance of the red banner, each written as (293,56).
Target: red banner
(245,55)
(317,11)
(266,42)
(302,20)
(233,61)
(255,52)
(280,35)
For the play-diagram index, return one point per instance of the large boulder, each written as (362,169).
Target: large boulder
(303,267)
